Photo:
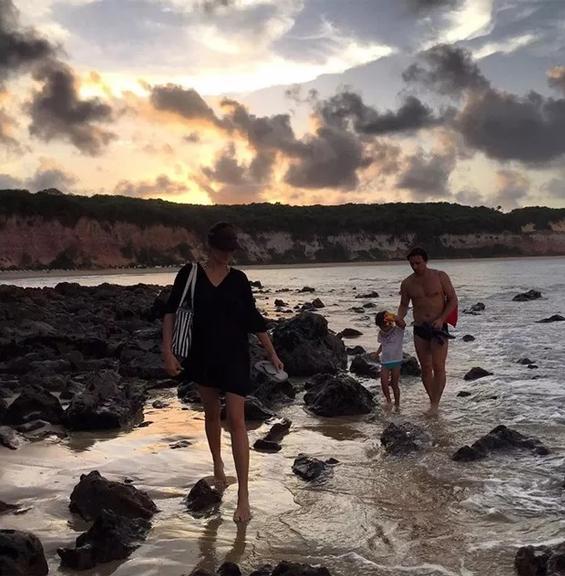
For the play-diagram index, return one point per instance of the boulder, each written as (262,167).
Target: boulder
(310,468)
(203,499)
(468,338)
(21,554)
(554,318)
(499,439)
(111,537)
(10,438)
(306,289)
(410,366)
(271,441)
(540,560)
(475,373)
(475,308)
(368,295)
(280,303)
(292,569)
(350,333)
(337,395)
(94,493)
(3,408)
(404,438)
(526,296)
(106,402)
(307,347)
(355,350)
(32,404)
(365,365)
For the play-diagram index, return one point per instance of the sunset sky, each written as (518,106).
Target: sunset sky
(293,101)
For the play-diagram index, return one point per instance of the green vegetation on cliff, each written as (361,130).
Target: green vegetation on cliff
(426,220)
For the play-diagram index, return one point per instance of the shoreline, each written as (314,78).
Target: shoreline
(55,273)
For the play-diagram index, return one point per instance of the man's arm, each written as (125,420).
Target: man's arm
(451,299)
(404,304)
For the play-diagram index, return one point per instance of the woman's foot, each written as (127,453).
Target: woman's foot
(243,511)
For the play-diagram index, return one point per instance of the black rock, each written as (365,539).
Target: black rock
(159,404)
(478,307)
(188,392)
(500,439)
(4,507)
(3,408)
(355,350)
(94,493)
(476,373)
(468,338)
(21,554)
(307,347)
(271,441)
(350,333)
(341,395)
(525,361)
(309,468)
(229,569)
(554,318)
(540,560)
(111,537)
(33,404)
(269,446)
(203,499)
(358,309)
(307,289)
(10,438)
(368,295)
(280,303)
(265,570)
(526,296)
(255,284)
(404,438)
(464,394)
(364,365)
(106,403)
(410,366)
(533,366)
(292,569)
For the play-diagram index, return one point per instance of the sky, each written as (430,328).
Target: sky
(293,101)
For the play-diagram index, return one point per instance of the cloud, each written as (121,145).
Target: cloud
(429,5)
(161,187)
(233,182)
(446,69)
(328,159)
(504,126)
(427,175)
(57,111)
(7,125)
(19,48)
(348,106)
(511,188)
(48,175)
(184,102)
(8,182)
(555,187)
(556,78)
(469,197)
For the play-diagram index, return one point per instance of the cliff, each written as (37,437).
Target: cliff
(53,231)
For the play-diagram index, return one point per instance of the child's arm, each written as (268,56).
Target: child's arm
(375,355)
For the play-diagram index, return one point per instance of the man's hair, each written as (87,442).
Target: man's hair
(380,318)
(417,251)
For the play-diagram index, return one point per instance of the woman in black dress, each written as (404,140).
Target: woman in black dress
(218,362)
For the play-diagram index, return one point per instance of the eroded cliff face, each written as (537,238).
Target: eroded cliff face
(39,243)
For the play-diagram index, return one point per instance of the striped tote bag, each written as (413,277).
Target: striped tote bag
(182,330)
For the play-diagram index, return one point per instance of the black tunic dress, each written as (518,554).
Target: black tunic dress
(224,315)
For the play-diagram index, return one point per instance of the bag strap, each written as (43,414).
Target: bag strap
(190,282)
(193,285)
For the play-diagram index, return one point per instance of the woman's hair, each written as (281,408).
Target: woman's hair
(417,251)
(223,236)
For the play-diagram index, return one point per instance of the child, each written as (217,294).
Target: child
(390,351)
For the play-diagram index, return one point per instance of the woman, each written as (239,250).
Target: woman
(218,362)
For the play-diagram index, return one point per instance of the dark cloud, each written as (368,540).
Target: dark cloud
(447,70)
(57,111)
(210,6)
(348,106)
(556,78)
(51,177)
(512,188)
(504,126)
(555,187)
(161,187)
(227,169)
(8,182)
(429,5)
(182,101)
(329,159)
(19,48)
(427,175)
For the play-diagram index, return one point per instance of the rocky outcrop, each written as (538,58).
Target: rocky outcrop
(527,296)
(540,560)
(499,439)
(21,554)
(337,395)
(94,493)
(404,438)
(475,373)
(307,347)
(203,499)
(309,468)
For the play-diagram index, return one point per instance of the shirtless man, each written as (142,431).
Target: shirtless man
(433,299)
